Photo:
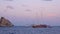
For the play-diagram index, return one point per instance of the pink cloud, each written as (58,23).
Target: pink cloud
(51,15)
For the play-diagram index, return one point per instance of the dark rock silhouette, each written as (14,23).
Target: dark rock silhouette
(5,22)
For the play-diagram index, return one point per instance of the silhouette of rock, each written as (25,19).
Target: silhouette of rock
(5,22)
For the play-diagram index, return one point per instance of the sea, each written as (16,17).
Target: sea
(29,30)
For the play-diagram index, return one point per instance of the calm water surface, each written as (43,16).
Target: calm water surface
(29,30)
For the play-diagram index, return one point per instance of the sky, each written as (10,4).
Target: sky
(29,12)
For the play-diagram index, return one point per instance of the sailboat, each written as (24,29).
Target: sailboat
(40,25)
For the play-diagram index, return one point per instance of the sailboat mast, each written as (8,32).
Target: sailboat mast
(41,18)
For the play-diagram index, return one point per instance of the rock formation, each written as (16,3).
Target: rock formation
(5,22)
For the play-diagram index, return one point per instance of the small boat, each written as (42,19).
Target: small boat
(41,26)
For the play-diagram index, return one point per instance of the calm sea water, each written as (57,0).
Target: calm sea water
(29,30)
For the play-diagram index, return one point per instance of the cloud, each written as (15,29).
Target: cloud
(51,15)
(47,0)
(8,0)
(9,7)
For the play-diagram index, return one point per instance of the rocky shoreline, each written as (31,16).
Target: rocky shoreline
(5,22)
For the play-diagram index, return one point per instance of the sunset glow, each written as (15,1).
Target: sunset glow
(25,12)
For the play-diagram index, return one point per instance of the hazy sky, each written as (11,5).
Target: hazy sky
(27,12)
